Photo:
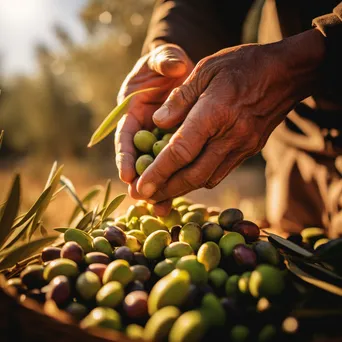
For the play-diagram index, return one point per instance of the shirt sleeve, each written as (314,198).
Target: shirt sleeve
(200,27)
(330,26)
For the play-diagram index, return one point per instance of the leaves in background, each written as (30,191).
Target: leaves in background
(34,208)
(17,234)
(86,199)
(17,253)
(71,190)
(305,276)
(107,193)
(10,210)
(113,205)
(109,123)
(51,174)
(288,246)
(61,230)
(43,231)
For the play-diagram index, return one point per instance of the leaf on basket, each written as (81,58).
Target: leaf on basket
(10,210)
(109,123)
(34,208)
(288,246)
(11,256)
(113,205)
(86,199)
(311,279)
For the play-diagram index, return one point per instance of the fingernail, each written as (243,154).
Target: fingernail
(161,114)
(148,189)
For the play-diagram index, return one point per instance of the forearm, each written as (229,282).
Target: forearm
(201,28)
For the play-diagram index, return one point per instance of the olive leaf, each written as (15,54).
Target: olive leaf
(110,122)
(57,192)
(85,220)
(107,193)
(86,199)
(34,208)
(15,254)
(288,246)
(10,210)
(43,231)
(71,190)
(1,137)
(17,234)
(51,174)
(52,183)
(61,230)
(305,276)
(113,205)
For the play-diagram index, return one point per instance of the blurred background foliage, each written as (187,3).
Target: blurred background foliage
(51,114)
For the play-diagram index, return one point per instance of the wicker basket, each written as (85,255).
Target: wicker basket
(23,319)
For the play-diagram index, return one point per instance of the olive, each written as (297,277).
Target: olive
(142,163)
(124,253)
(144,141)
(183,209)
(244,257)
(100,317)
(179,201)
(96,258)
(76,310)
(193,217)
(32,277)
(243,283)
(212,232)
(101,244)
(267,333)
(228,217)
(141,273)
(157,132)
(87,285)
(200,208)
(115,236)
(136,211)
(81,237)
(218,278)
(174,231)
(136,285)
(249,230)
(164,267)
(135,304)
(134,331)
(110,294)
(17,284)
(98,269)
(229,241)
(231,286)
(118,270)
(209,255)
(97,233)
(196,270)
(191,233)
(266,253)
(167,137)
(133,243)
(158,147)
(140,259)
(232,307)
(138,234)
(73,251)
(51,253)
(239,333)
(59,290)
(60,266)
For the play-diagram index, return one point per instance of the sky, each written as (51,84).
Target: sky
(24,23)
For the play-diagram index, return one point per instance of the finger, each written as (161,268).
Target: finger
(124,147)
(196,175)
(132,191)
(162,208)
(226,167)
(184,146)
(169,61)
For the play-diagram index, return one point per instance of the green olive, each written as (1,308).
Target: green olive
(144,140)
(158,146)
(142,163)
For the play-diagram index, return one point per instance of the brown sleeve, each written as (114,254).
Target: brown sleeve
(330,26)
(200,27)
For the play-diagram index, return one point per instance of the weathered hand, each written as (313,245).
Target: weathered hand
(166,67)
(229,105)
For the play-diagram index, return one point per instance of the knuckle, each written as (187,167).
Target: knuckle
(180,151)
(182,95)
(211,184)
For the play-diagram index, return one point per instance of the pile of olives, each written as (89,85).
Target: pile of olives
(150,144)
(199,273)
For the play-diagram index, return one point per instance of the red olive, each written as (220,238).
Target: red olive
(249,230)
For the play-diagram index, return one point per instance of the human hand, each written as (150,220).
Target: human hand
(165,68)
(229,105)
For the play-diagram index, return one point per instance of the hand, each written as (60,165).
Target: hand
(166,67)
(230,104)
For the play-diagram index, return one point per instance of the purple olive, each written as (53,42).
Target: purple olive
(115,236)
(51,253)
(140,259)
(32,277)
(135,304)
(59,290)
(244,257)
(96,258)
(175,230)
(124,253)
(73,251)
(97,268)
(249,230)
(141,273)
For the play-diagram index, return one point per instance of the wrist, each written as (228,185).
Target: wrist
(302,56)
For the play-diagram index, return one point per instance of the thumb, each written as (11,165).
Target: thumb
(170,61)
